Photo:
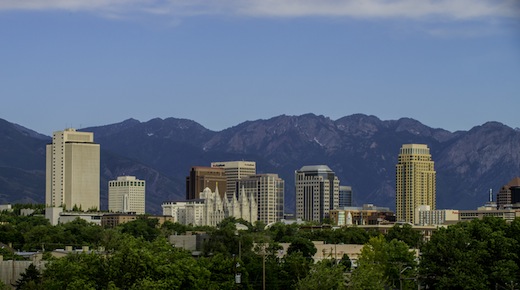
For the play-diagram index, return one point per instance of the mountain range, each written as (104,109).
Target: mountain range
(361,149)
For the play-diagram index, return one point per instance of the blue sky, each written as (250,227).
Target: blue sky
(452,64)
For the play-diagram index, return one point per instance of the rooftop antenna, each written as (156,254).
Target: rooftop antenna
(490,194)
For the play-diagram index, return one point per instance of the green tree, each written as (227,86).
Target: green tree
(389,264)
(346,262)
(169,228)
(223,269)
(29,280)
(302,245)
(259,226)
(283,233)
(76,271)
(3,286)
(42,237)
(227,239)
(133,263)
(323,275)
(293,268)
(350,235)
(144,227)
(405,233)
(480,254)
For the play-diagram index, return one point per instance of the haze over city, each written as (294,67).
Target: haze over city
(449,64)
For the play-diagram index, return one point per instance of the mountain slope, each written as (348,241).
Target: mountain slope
(361,149)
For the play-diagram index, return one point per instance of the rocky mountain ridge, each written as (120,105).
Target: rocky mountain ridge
(361,149)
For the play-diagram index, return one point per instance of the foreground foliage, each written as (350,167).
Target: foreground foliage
(481,254)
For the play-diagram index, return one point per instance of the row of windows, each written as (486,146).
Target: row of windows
(126,183)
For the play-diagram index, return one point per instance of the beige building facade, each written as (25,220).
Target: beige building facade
(368,214)
(268,189)
(508,214)
(235,170)
(72,170)
(127,194)
(426,216)
(415,181)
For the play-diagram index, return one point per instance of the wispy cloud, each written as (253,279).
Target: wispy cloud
(414,9)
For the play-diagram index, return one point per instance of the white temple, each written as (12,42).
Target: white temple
(211,209)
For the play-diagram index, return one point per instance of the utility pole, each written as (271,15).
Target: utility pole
(263,268)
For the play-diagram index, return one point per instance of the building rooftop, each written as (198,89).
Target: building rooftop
(323,168)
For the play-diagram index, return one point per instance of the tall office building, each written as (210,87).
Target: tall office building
(317,192)
(415,181)
(201,177)
(268,190)
(234,171)
(72,170)
(126,194)
(345,196)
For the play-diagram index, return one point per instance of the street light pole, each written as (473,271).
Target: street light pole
(401,277)
(263,269)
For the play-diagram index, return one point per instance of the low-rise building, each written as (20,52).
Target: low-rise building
(368,214)
(90,217)
(6,207)
(508,214)
(329,251)
(426,231)
(112,220)
(426,216)
(191,241)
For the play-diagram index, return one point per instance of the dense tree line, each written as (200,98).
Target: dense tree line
(481,254)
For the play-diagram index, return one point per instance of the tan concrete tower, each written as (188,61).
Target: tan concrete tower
(415,181)
(235,170)
(72,170)
(268,190)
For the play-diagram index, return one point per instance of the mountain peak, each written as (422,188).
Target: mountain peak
(361,149)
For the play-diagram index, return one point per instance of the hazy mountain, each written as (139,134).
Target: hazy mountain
(361,149)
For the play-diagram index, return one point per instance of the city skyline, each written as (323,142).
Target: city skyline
(121,59)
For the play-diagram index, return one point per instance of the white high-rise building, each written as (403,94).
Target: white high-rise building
(317,192)
(72,171)
(234,171)
(268,189)
(126,194)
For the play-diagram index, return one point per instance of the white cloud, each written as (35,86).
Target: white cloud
(415,9)
(455,9)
